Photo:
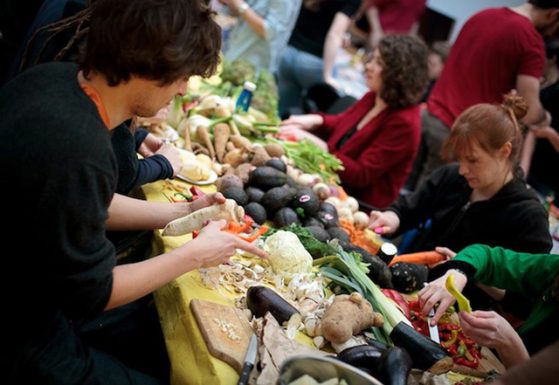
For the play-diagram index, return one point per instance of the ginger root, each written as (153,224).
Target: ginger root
(348,316)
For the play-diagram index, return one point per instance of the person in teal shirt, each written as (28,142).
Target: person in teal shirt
(535,275)
(262,30)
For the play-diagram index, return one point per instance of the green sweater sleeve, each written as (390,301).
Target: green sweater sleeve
(532,274)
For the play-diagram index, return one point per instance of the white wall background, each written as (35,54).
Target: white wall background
(461,10)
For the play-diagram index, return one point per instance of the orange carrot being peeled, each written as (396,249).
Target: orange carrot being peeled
(420,258)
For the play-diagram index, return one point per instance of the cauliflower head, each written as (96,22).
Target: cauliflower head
(287,255)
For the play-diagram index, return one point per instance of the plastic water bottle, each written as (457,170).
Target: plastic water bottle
(245,98)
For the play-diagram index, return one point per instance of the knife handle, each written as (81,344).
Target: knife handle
(247,368)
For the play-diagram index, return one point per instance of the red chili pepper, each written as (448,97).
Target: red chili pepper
(414,305)
(475,352)
(448,326)
(451,340)
(452,350)
(463,361)
(195,233)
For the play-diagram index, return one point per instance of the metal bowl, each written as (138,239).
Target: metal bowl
(322,369)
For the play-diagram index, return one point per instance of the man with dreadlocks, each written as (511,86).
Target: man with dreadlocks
(57,33)
(55,146)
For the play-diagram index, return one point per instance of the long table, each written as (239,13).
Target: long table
(191,362)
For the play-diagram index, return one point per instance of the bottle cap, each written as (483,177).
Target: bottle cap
(250,86)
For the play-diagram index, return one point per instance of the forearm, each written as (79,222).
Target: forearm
(553,138)
(513,352)
(529,88)
(133,281)
(333,43)
(542,369)
(315,139)
(127,213)
(255,21)
(494,292)
(510,270)
(528,148)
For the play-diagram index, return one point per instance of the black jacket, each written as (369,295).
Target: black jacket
(513,218)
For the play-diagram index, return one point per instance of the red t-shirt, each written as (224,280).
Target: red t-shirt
(492,49)
(398,16)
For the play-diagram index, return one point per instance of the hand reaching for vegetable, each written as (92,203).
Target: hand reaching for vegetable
(384,222)
(213,246)
(305,122)
(172,155)
(300,134)
(449,254)
(489,329)
(436,292)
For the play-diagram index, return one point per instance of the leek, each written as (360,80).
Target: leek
(347,271)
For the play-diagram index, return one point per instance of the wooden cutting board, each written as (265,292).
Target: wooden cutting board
(225,331)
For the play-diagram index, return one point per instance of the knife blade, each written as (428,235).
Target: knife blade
(433,329)
(250,359)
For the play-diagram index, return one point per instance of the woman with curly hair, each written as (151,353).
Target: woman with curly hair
(378,137)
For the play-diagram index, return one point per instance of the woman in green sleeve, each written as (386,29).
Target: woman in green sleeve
(535,275)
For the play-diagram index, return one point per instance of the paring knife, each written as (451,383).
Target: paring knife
(433,330)
(250,359)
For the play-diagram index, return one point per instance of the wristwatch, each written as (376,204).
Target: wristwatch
(243,8)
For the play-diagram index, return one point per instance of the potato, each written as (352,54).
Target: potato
(347,316)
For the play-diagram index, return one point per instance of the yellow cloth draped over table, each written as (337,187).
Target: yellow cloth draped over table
(191,362)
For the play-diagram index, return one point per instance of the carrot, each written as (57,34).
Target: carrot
(359,237)
(342,195)
(221,137)
(254,236)
(420,258)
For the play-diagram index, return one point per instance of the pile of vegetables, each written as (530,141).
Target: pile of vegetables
(311,159)
(345,271)
(293,185)
(464,350)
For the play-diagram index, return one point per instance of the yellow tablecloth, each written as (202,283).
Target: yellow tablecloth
(191,363)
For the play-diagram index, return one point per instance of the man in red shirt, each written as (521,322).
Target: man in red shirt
(498,49)
(393,17)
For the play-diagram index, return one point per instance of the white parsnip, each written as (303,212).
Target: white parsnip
(229,211)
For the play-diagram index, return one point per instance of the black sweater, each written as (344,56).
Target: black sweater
(513,218)
(60,175)
(134,172)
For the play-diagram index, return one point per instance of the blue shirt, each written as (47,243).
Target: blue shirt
(279,19)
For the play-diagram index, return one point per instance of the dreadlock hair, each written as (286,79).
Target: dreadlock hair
(56,36)
(162,40)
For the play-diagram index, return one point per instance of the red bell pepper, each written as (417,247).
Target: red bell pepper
(399,300)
